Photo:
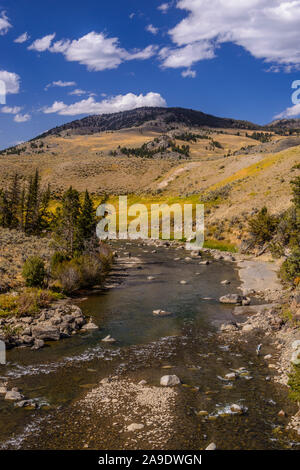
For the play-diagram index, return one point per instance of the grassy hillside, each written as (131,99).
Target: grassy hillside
(234,171)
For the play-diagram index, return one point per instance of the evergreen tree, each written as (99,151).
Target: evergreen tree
(5,210)
(296,191)
(67,233)
(87,218)
(36,205)
(14,202)
(43,222)
(22,210)
(29,208)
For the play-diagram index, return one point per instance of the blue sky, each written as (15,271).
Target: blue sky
(62,60)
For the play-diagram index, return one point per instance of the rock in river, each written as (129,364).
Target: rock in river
(237,409)
(211,446)
(234,299)
(90,326)
(161,313)
(169,380)
(13,395)
(108,339)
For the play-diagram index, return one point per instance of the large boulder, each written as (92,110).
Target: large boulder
(13,395)
(169,380)
(46,331)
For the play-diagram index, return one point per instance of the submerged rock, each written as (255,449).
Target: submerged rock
(237,409)
(108,339)
(26,404)
(161,313)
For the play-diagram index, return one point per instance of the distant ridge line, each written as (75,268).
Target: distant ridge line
(137,117)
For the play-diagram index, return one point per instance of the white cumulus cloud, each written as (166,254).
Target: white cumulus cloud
(4,23)
(11,109)
(22,38)
(42,44)
(110,105)
(289,113)
(22,117)
(95,50)
(267,29)
(187,55)
(11,80)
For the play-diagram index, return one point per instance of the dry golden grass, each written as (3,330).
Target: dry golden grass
(85,163)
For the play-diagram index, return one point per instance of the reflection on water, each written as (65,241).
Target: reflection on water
(184,342)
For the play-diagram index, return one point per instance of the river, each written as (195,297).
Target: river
(75,412)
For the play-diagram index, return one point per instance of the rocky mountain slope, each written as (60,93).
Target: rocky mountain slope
(285,124)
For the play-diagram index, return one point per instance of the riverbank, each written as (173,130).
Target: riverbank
(58,320)
(269,324)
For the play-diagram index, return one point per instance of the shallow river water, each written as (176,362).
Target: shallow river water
(147,347)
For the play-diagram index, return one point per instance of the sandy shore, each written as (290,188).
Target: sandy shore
(258,275)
